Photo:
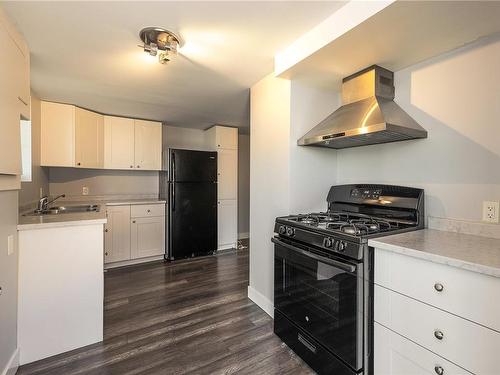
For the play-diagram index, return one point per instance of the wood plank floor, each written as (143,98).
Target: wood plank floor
(187,317)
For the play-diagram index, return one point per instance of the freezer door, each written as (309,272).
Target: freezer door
(193,166)
(193,219)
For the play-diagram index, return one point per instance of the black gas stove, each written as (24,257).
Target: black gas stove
(323,292)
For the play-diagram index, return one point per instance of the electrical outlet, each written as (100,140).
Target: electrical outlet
(10,244)
(85,190)
(490,212)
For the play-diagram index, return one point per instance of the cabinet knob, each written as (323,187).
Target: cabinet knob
(149,211)
(131,166)
(439,287)
(78,163)
(439,370)
(438,334)
(133,221)
(138,166)
(106,230)
(106,253)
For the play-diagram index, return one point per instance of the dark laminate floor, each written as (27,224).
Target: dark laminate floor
(187,317)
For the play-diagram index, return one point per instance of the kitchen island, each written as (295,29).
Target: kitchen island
(60,283)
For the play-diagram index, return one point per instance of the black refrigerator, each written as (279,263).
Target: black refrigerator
(189,185)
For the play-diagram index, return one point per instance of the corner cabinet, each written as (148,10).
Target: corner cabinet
(224,140)
(71,136)
(134,234)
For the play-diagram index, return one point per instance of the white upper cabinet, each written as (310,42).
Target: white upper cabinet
(227,170)
(14,87)
(148,143)
(222,137)
(57,135)
(119,135)
(89,139)
(75,137)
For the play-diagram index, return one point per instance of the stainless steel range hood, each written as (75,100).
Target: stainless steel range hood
(368,115)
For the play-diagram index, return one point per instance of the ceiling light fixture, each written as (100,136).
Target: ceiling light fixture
(160,42)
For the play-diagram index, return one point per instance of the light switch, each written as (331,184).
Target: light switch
(10,244)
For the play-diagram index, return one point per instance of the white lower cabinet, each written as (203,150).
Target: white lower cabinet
(147,237)
(117,234)
(227,223)
(423,326)
(134,232)
(396,355)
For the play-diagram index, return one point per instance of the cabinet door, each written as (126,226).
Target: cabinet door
(89,139)
(148,145)
(227,170)
(227,223)
(10,145)
(57,135)
(117,234)
(396,355)
(118,142)
(226,137)
(147,237)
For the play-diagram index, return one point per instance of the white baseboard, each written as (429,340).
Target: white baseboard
(260,300)
(132,262)
(242,236)
(13,364)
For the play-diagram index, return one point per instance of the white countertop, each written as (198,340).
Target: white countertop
(62,220)
(80,218)
(473,253)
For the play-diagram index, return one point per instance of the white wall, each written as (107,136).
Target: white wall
(269,177)
(284,177)
(243,185)
(192,139)
(8,277)
(456,97)
(70,181)
(312,169)
(30,191)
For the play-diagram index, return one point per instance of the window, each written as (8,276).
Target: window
(26,150)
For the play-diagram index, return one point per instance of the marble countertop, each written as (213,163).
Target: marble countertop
(81,218)
(473,253)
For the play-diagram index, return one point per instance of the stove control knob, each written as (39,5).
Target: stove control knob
(342,246)
(327,242)
(290,231)
(282,229)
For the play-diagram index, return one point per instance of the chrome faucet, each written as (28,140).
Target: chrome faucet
(43,203)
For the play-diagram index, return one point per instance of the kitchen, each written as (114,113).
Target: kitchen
(443,77)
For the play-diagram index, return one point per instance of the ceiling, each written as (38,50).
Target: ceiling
(85,53)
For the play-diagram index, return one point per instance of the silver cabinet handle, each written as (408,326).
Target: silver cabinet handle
(438,334)
(439,370)
(439,287)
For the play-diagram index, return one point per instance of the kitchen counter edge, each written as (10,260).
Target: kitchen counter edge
(469,252)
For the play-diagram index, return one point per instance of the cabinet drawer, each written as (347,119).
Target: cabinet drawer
(396,355)
(460,341)
(147,210)
(464,293)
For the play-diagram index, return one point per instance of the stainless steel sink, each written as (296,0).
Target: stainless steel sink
(58,210)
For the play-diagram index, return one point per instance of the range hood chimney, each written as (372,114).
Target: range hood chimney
(368,114)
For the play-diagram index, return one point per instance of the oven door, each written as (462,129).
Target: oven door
(323,296)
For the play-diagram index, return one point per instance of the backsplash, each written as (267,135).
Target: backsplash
(466,227)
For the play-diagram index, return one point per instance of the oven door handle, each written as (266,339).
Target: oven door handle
(343,266)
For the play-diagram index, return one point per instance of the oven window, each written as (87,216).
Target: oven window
(322,299)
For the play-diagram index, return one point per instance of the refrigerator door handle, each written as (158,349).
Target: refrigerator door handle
(173,197)
(173,167)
